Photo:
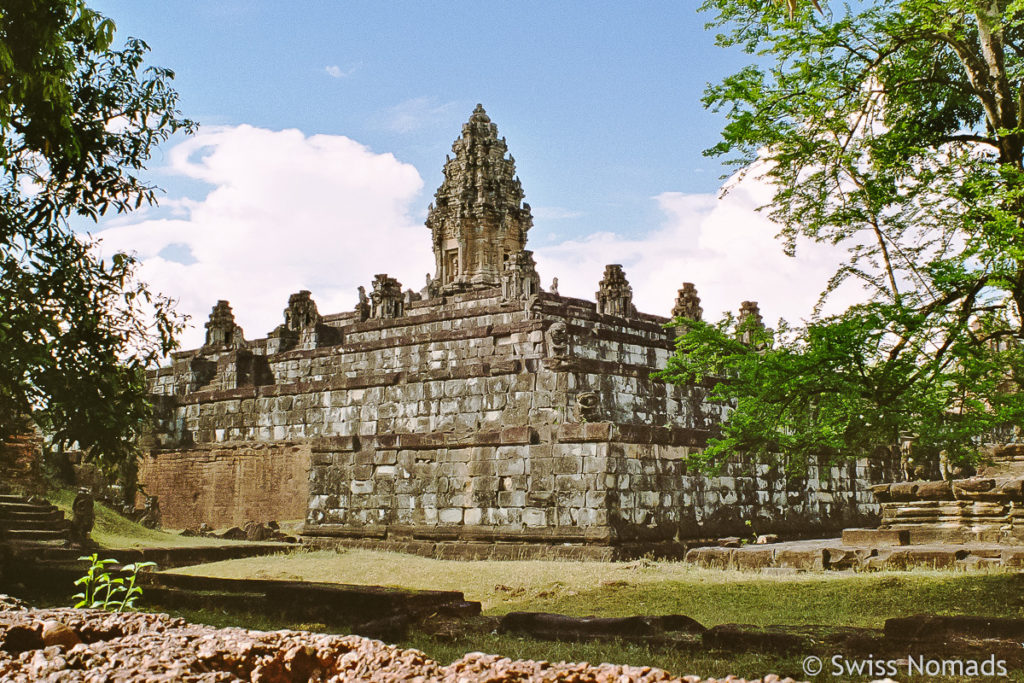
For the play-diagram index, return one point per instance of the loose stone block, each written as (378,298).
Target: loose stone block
(875,537)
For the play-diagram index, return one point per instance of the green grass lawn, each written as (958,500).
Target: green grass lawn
(622,589)
(112,530)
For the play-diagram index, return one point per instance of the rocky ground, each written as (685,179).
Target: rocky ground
(92,645)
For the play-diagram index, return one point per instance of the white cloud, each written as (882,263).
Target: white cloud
(723,245)
(553,213)
(416,113)
(286,212)
(335,71)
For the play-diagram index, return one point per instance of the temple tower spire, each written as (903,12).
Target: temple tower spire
(478,219)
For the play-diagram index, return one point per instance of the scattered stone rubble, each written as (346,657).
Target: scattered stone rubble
(90,645)
(250,531)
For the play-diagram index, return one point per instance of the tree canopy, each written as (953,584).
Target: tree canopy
(78,122)
(893,128)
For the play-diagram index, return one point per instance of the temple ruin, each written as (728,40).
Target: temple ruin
(480,412)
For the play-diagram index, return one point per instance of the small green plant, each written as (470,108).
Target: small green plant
(102,589)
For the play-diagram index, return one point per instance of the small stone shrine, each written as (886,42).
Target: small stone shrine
(479,412)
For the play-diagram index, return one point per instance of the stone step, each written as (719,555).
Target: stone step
(51,552)
(26,507)
(7,517)
(11,498)
(36,535)
(51,525)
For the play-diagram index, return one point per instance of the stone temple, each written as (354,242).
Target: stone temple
(482,415)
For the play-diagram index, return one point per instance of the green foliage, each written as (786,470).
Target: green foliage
(104,590)
(78,122)
(894,130)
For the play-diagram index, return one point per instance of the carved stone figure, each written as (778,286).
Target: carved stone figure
(363,307)
(554,286)
(83,517)
(386,298)
(615,295)
(587,406)
(558,340)
(478,219)
(150,516)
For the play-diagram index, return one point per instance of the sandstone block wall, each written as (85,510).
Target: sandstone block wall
(21,463)
(228,484)
(470,417)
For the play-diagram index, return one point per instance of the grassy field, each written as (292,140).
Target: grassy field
(112,530)
(622,589)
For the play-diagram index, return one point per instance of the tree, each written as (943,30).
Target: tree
(78,121)
(793,5)
(896,131)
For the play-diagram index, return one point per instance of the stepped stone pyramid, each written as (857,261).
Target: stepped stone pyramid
(479,416)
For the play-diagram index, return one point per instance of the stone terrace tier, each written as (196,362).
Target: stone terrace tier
(470,416)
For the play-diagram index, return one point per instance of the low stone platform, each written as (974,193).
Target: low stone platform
(486,549)
(838,554)
(986,508)
(165,558)
(373,611)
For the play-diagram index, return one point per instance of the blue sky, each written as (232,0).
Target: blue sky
(599,102)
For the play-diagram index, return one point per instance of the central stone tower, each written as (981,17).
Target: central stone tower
(478,220)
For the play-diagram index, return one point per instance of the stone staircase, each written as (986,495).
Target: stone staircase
(25,520)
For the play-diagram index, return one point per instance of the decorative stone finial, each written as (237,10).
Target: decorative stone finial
(478,218)
(687,303)
(301,313)
(750,318)
(221,330)
(615,296)
(520,281)
(479,115)
(302,325)
(386,298)
(750,309)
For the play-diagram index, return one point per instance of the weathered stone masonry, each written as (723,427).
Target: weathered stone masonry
(480,409)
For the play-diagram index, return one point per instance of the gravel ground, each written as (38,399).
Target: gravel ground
(94,646)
